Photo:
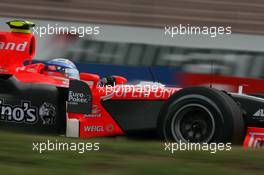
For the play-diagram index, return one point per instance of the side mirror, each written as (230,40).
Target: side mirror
(120,80)
(90,78)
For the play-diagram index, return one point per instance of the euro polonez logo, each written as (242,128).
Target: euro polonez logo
(26,113)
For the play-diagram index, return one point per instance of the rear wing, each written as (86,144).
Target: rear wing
(17,46)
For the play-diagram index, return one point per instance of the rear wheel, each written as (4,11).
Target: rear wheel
(201,115)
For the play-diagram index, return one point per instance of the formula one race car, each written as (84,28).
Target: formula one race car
(55,97)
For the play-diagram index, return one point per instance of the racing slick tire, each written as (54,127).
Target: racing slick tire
(201,115)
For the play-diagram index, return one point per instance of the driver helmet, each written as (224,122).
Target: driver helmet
(63,66)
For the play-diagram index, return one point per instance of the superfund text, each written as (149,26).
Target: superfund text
(139,91)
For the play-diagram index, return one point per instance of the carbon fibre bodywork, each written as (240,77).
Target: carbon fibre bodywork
(32,99)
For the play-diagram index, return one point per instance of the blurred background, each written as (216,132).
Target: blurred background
(132,35)
(132,43)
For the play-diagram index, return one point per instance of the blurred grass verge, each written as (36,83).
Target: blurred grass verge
(119,155)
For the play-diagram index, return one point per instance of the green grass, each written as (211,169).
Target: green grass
(121,156)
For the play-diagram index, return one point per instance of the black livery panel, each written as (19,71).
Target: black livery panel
(31,107)
(134,115)
(252,108)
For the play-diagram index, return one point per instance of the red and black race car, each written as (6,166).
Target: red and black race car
(54,97)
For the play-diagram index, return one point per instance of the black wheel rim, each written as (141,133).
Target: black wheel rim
(193,123)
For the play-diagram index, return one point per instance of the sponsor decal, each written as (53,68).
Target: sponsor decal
(2,70)
(96,112)
(164,92)
(108,96)
(19,113)
(109,128)
(258,143)
(79,98)
(136,91)
(47,113)
(26,113)
(256,140)
(75,97)
(13,46)
(94,129)
(99,128)
(259,113)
